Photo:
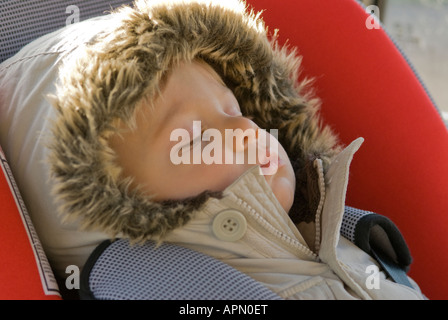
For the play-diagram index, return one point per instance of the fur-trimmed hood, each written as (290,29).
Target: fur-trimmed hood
(121,68)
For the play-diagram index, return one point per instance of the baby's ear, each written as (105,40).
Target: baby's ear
(307,195)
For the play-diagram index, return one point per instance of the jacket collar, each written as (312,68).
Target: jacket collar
(334,204)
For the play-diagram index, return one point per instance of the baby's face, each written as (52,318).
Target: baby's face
(194,98)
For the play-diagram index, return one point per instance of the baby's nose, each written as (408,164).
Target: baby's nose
(241,134)
(250,145)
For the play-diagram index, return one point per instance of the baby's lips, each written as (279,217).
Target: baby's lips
(270,164)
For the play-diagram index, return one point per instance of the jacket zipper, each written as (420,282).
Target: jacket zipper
(278,234)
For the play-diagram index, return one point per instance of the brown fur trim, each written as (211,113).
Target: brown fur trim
(307,196)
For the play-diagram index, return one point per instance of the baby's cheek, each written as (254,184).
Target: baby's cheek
(283,190)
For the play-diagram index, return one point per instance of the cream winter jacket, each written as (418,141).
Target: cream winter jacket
(249,230)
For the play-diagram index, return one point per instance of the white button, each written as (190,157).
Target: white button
(229,225)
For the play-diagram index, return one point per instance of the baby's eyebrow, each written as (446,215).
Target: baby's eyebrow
(172,118)
(170,111)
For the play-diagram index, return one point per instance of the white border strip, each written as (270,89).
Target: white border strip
(49,283)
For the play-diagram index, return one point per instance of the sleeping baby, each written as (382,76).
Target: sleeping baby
(186,124)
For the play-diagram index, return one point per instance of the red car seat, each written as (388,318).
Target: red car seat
(368,89)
